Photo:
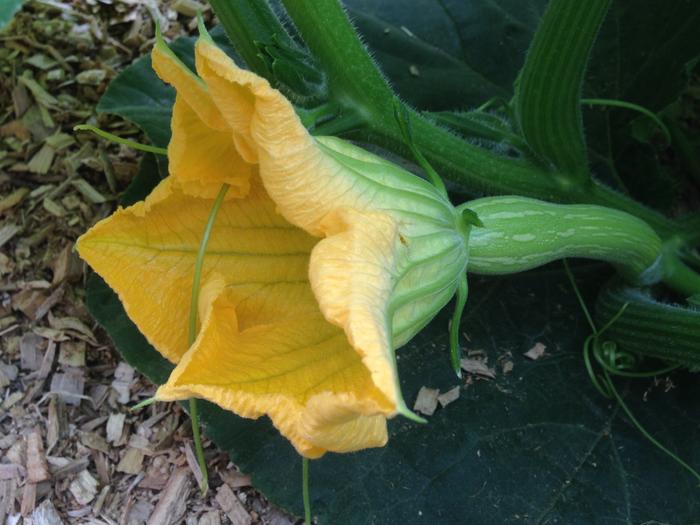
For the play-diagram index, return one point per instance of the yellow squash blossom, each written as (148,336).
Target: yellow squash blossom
(323,260)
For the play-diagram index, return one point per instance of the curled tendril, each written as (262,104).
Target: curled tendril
(614,361)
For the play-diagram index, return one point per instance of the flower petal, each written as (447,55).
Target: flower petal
(308,178)
(146,253)
(266,349)
(352,273)
(202,155)
(383,287)
(201,159)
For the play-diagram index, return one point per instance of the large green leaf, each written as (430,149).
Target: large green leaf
(8,8)
(640,56)
(535,446)
(488,36)
(538,445)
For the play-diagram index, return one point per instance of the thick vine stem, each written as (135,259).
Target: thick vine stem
(356,83)
(520,233)
(649,327)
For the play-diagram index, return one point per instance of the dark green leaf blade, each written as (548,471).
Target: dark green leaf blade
(534,446)
(423,75)
(8,8)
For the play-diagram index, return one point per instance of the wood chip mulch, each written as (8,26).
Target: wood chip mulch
(71,451)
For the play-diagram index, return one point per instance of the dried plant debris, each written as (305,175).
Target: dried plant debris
(71,451)
(536,352)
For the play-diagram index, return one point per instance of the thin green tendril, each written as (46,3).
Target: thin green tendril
(644,432)
(634,107)
(142,404)
(192,331)
(120,140)
(305,490)
(461,300)
(619,363)
(403,118)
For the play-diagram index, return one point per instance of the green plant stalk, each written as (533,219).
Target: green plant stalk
(246,24)
(520,233)
(548,91)
(356,83)
(305,490)
(651,328)
(120,140)
(192,326)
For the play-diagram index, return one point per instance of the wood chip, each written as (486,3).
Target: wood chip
(8,496)
(69,386)
(66,266)
(213,517)
(101,466)
(11,471)
(232,506)
(41,162)
(157,474)
(46,514)
(427,401)
(8,373)
(194,464)
(31,354)
(94,441)
(28,499)
(37,469)
(448,397)
(477,367)
(53,424)
(131,461)
(83,488)
(72,353)
(49,302)
(28,301)
(235,479)
(173,500)
(535,352)
(115,427)
(88,191)
(7,232)
(13,199)
(123,378)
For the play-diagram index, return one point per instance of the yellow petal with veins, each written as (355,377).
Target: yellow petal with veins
(352,274)
(266,349)
(147,252)
(264,346)
(202,159)
(202,155)
(308,177)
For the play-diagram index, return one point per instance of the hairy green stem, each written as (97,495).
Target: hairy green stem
(548,91)
(356,83)
(248,23)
